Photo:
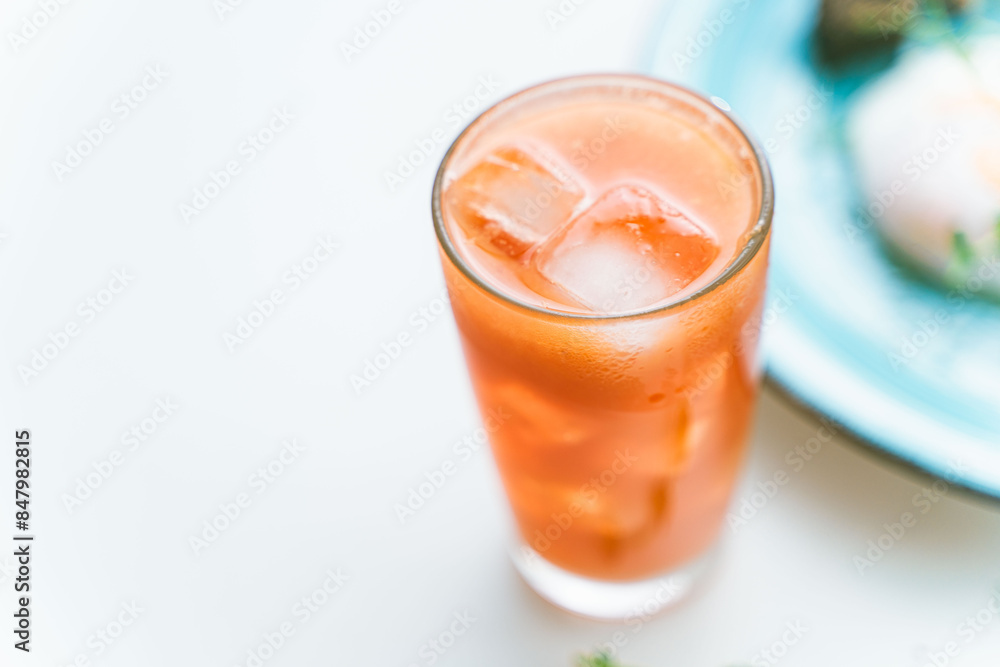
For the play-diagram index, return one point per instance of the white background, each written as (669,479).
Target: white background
(333,506)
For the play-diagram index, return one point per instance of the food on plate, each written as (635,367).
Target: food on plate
(925,138)
(852,29)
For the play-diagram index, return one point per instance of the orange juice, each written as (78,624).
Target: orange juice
(604,242)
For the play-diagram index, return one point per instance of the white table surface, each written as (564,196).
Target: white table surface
(332,506)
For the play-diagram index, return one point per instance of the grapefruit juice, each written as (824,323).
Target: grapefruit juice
(604,242)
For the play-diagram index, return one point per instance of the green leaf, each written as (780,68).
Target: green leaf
(962,249)
(599,659)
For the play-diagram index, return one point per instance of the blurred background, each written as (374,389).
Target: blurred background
(214,219)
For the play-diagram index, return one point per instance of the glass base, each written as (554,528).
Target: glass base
(608,600)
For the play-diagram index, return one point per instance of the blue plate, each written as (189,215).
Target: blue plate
(857,339)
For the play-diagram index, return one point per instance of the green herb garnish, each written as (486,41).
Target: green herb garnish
(599,659)
(963,250)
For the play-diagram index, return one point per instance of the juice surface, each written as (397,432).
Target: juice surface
(623,433)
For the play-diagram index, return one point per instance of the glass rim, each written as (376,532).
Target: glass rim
(756,234)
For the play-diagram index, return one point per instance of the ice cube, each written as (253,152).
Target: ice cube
(627,251)
(512,200)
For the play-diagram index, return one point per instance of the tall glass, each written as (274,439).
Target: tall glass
(620,387)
